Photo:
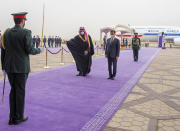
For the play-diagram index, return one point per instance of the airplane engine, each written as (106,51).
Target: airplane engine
(176,41)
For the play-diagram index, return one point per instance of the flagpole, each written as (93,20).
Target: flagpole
(42,27)
(46,66)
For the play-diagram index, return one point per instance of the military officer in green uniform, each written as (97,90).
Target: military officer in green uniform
(136,44)
(17,46)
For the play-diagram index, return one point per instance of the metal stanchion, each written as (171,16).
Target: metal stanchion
(46,67)
(62,56)
(97,51)
(129,46)
(102,51)
(122,47)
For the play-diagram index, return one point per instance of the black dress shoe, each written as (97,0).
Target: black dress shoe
(11,121)
(112,78)
(80,74)
(16,122)
(84,74)
(109,77)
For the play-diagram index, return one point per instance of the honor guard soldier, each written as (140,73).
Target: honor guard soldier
(49,41)
(52,41)
(18,45)
(38,40)
(136,44)
(44,41)
(34,40)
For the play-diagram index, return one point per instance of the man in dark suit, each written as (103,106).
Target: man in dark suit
(17,43)
(112,54)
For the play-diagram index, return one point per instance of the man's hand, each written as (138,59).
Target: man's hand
(41,49)
(85,52)
(64,42)
(4,73)
(117,57)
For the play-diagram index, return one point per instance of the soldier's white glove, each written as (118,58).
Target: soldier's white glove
(4,73)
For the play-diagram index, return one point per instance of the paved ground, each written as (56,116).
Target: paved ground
(154,103)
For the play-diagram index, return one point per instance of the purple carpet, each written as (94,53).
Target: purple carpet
(57,100)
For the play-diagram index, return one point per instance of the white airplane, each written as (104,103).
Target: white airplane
(151,33)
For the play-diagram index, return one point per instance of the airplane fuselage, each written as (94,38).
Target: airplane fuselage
(151,33)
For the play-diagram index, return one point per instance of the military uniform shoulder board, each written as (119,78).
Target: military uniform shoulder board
(28,30)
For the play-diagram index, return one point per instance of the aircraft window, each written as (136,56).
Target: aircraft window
(153,30)
(172,31)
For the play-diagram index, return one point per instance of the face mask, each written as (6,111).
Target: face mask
(82,33)
(112,35)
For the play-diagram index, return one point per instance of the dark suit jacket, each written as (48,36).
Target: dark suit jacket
(18,46)
(112,49)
